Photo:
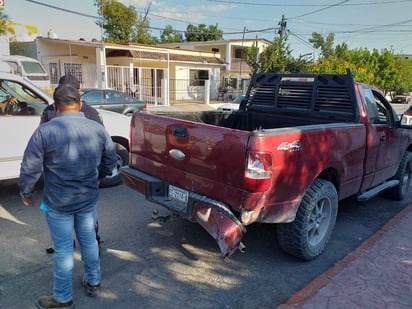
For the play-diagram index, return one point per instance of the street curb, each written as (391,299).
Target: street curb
(298,299)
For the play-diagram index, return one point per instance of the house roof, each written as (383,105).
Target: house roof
(219,42)
(143,51)
(153,55)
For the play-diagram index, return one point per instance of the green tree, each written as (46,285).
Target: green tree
(4,18)
(385,74)
(324,44)
(117,21)
(277,57)
(122,24)
(202,33)
(252,57)
(5,27)
(381,69)
(169,35)
(142,29)
(403,82)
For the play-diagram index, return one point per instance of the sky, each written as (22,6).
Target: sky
(370,24)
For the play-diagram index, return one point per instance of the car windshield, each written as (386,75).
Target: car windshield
(21,93)
(32,67)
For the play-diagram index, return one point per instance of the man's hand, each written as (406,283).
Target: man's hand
(28,200)
(8,101)
(12,100)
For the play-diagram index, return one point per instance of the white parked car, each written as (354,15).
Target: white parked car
(18,122)
(232,106)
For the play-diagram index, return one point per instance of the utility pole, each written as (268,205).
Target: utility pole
(281,31)
(282,28)
(240,66)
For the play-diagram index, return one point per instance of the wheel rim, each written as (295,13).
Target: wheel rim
(319,221)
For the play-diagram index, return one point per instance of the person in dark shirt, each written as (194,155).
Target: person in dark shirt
(89,112)
(73,153)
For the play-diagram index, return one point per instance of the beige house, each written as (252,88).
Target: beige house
(235,73)
(157,75)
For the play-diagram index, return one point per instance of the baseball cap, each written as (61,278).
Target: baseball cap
(66,94)
(69,80)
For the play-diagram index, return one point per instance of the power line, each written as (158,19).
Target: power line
(369,29)
(306,42)
(252,31)
(382,26)
(153,28)
(62,9)
(306,5)
(322,9)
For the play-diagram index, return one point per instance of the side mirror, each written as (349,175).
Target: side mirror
(406,121)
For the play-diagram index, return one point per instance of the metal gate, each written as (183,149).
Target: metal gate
(146,84)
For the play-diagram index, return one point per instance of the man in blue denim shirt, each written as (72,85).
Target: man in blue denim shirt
(73,153)
(89,112)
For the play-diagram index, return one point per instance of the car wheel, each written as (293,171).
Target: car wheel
(307,236)
(404,175)
(122,159)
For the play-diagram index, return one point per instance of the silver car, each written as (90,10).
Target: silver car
(112,100)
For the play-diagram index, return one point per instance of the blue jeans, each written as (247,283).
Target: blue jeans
(61,227)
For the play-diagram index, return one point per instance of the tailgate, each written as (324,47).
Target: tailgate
(180,151)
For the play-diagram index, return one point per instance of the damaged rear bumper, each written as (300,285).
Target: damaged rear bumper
(214,216)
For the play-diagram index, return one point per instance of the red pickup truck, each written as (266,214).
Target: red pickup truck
(298,144)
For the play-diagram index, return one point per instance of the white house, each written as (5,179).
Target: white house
(159,75)
(236,73)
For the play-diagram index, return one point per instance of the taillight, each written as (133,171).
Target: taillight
(258,173)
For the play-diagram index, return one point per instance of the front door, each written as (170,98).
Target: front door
(383,150)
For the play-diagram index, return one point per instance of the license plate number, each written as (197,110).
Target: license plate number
(178,194)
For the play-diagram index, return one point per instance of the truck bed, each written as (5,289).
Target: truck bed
(249,121)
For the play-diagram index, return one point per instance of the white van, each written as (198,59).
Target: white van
(29,68)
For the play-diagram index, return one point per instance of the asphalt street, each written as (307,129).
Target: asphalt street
(175,264)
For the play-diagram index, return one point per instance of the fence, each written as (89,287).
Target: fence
(147,84)
(151,86)
(143,83)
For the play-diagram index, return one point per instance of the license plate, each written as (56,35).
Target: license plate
(178,194)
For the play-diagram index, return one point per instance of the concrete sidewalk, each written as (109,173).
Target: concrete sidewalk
(377,274)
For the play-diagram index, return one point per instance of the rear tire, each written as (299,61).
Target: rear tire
(404,175)
(122,159)
(308,235)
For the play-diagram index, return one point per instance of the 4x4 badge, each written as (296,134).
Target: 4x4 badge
(293,146)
